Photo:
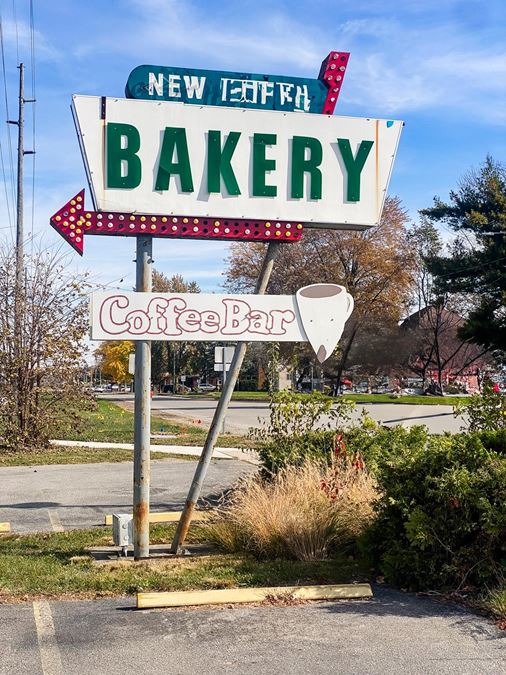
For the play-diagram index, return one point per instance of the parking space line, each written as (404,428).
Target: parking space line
(50,656)
(55,521)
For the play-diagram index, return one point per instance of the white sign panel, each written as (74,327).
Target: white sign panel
(219,367)
(223,354)
(316,314)
(208,161)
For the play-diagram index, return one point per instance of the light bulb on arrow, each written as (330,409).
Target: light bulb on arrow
(73,222)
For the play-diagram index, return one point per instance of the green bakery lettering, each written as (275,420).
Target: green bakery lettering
(124,168)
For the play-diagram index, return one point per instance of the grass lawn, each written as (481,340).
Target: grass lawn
(112,423)
(358,398)
(58,565)
(71,455)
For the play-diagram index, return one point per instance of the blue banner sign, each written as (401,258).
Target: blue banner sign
(241,90)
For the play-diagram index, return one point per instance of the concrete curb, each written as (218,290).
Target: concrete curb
(189,450)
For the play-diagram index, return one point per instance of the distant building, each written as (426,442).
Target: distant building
(437,353)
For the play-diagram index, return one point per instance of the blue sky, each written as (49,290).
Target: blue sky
(438,65)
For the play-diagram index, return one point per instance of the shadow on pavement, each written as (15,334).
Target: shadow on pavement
(417,417)
(391,602)
(31,505)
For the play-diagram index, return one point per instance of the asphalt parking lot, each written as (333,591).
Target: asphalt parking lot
(59,497)
(395,633)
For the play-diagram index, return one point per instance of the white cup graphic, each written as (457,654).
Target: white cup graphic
(323,310)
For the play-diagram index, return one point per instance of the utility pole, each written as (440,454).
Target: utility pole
(223,380)
(20,122)
(18,302)
(174,388)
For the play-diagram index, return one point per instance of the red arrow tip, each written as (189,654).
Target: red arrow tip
(68,222)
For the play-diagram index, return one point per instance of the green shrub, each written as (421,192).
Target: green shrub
(483,412)
(300,427)
(441,517)
(376,443)
(288,438)
(494,440)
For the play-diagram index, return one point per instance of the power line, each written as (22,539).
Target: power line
(32,63)
(4,177)
(16,26)
(472,267)
(6,96)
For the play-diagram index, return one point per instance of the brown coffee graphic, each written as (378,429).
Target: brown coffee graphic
(320,291)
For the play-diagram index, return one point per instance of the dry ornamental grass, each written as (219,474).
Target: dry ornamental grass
(304,513)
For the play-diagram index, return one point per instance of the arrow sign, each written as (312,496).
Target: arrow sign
(73,221)
(242,90)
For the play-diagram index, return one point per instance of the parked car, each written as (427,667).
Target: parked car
(382,389)
(206,387)
(413,391)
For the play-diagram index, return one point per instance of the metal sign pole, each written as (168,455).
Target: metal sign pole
(142,421)
(224,379)
(221,410)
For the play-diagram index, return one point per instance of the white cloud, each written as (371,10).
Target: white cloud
(396,66)
(169,28)
(17,36)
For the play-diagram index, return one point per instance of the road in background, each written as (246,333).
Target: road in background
(67,496)
(245,414)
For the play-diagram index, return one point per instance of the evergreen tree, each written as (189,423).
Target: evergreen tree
(475,265)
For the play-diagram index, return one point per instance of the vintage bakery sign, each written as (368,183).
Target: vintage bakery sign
(153,157)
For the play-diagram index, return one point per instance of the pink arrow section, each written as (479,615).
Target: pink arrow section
(332,73)
(73,221)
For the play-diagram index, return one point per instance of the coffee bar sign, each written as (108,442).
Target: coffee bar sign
(316,314)
(153,157)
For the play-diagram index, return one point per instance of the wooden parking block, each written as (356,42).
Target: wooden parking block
(166,517)
(5,527)
(241,595)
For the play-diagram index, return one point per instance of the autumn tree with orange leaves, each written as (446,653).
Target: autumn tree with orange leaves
(376,266)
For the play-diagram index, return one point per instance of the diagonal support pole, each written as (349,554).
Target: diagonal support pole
(221,410)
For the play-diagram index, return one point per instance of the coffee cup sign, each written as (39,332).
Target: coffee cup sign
(324,309)
(316,314)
